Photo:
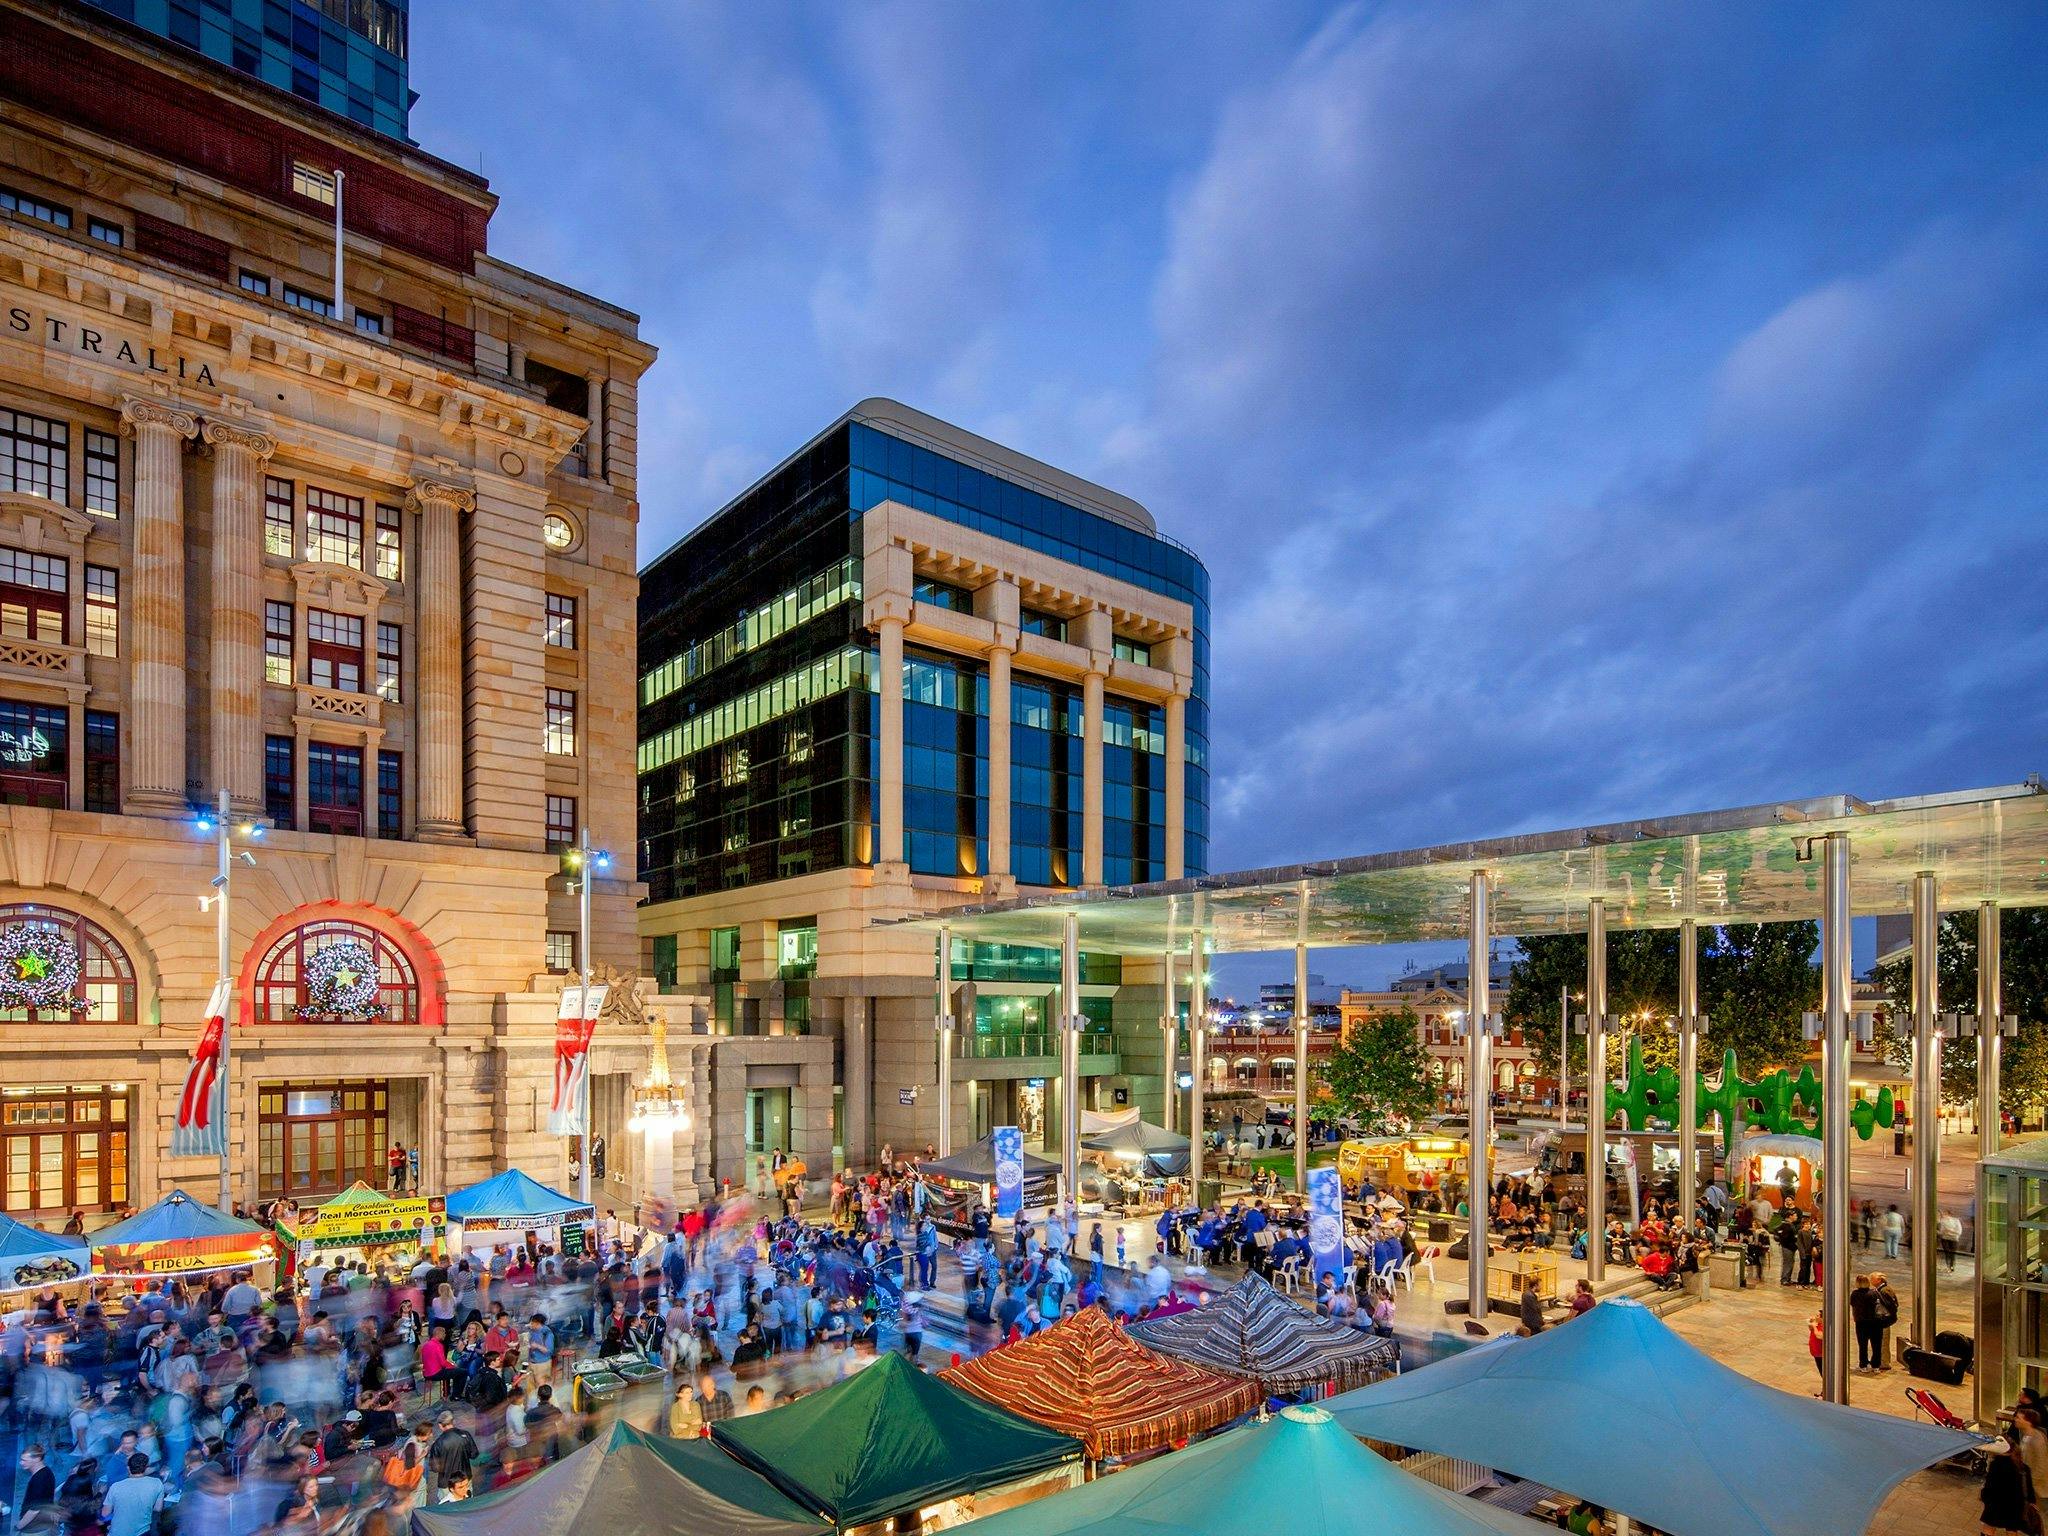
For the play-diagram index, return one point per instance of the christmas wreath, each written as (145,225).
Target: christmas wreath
(39,969)
(341,979)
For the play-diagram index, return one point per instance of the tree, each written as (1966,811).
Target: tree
(1757,983)
(1379,1071)
(2023,977)
(1756,980)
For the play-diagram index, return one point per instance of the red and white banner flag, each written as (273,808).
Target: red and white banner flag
(201,1128)
(574,1024)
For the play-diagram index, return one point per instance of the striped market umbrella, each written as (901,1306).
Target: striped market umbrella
(1254,1332)
(1086,1378)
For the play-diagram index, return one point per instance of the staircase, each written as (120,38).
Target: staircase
(1631,1286)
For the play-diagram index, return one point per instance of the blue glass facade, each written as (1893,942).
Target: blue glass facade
(759,716)
(885,468)
(348,56)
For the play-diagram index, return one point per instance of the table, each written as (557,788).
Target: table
(1510,1274)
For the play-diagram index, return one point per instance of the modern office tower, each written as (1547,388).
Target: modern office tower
(907,668)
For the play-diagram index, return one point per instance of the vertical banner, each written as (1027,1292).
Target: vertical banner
(200,1130)
(1009,1150)
(574,1023)
(1326,1222)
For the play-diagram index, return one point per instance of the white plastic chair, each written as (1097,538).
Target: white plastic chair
(1289,1275)
(1424,1260)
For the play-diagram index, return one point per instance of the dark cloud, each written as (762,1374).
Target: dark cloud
(1586,413)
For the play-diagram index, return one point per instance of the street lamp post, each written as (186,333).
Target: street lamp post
(588,861)
(223,881)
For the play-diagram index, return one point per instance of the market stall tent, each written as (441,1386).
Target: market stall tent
(1617,1408)
(513,1202)
(362,1217)
(628,1483)
(891,1440)
(1084,1377)
(1254,1332)
(976,1164)
(1297,1473)
(1143,1146)
(179,1236)
(31,1258)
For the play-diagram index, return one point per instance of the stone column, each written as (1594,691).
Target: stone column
(438,712)
(593,435)
(156,624)
(1176,786)
(889,786)
(998,762)
(1091,778)
(236,696)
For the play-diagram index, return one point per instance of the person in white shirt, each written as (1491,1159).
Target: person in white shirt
(1948,1229)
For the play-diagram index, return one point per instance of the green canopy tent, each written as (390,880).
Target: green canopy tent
(628,1483)
(888,1440)
(1298,1473)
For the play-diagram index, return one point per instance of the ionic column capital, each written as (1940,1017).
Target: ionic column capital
(427,495)
(228,434)
(137,413)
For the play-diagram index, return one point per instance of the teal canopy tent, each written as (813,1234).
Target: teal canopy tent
(628,1483)
(889,1440)
(31,1258)
(1616,1408)
(1298,1473)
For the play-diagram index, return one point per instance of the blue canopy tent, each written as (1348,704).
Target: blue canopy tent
(178,1235)
(1616,1408)
(31,1258)
(512,1202)
(1299,1473)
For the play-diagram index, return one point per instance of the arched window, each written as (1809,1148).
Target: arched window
(106,976)
(280,978)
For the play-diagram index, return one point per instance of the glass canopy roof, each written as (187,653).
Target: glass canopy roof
(1755,864)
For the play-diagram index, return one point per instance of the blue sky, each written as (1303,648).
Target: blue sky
(1584,412)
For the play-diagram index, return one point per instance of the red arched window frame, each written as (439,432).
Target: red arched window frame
(280,984)
(106,976)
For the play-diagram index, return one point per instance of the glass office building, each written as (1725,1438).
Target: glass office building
(759,694)
(345,55)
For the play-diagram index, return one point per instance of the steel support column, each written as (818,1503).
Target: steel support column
(1198,1048)
(1479,1089)
(1990,1002)
(945,1032)
(1301,1136)
(1835,981)
(1688,1070)
(1987,1310)
(1169,1023)
(1926,1106)
(1596,1090)
(1070,1055)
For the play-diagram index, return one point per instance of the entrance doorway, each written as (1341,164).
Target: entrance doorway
(767,1120)
(316,1139)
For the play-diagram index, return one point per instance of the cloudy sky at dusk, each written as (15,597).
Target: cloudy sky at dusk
(1584,413)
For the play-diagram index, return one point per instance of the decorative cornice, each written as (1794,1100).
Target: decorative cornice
(424,494)
(227,434)
(137,413)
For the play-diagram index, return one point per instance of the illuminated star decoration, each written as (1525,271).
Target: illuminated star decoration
(342,981)
(39,969)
